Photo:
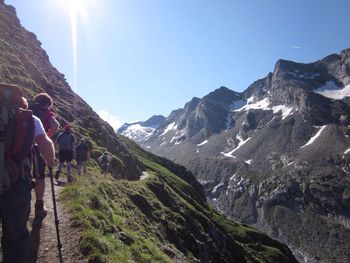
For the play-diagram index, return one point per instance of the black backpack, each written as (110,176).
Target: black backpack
(65,141)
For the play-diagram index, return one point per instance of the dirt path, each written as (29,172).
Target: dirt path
(43,241)
(144,175)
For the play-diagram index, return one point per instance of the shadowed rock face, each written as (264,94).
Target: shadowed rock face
(23,62)
(276,155)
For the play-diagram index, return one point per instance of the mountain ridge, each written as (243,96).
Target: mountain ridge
(288,129)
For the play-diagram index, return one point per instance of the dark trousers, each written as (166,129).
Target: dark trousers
(14,212)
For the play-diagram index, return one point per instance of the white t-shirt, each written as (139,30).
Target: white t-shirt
(39,128)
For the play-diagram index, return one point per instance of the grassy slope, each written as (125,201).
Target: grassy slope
(159,219)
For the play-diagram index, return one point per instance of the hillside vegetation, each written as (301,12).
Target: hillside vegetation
(161,218)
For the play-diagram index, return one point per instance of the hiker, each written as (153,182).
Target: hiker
(82,155)
(66,151)
(20,129)
(104,160)
(41,108)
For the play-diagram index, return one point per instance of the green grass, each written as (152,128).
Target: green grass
(153,214)
(100,205)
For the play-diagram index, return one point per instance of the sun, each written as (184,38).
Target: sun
(76,8)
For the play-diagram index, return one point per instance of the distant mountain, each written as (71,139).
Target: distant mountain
(275,156)
(140,131)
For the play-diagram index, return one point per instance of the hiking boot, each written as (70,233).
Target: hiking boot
(40,211)
(57,174)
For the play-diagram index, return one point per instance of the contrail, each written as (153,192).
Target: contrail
(295,47)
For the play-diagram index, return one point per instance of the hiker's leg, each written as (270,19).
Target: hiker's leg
(85,167)
(61,158)
(40,179)
(69,169)
(14,220)
(39,188)
(60,166)
(69,158)
(79,167)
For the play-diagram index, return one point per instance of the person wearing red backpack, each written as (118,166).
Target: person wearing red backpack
(41,107)
(19,129)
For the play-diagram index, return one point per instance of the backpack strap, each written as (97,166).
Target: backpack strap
(2,151)
(4,122)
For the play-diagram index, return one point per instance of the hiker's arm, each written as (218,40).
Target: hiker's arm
(54,125)
(46,148)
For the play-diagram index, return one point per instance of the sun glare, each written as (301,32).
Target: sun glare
(77,10)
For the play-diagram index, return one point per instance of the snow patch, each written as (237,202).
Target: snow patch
(233,177)
(264,104)
(250,100)
(286,111)
(312,139)
(248,161)
(216,187)
(347,151)
(138,133)
(202,143)
(240,144)
(332,91)
(203,181)
(171,126)
(177,137)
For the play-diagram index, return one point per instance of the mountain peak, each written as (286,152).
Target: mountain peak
(222,94)
(155,120)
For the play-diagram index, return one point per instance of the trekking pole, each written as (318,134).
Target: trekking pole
(59,245)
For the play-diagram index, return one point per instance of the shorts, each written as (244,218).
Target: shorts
(39,164)
(65,156)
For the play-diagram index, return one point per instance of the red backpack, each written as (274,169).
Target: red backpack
(16,136)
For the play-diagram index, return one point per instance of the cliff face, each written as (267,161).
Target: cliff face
(275,156)
(23,62)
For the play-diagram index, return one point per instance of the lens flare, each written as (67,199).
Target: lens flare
(78,10)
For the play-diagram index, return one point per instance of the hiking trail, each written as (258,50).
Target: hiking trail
(42,232)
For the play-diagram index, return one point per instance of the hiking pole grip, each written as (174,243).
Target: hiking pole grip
(59,244)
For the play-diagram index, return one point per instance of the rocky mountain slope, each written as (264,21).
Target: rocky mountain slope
(163,217)
(275,156)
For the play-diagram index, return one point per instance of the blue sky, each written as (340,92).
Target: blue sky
(136,58)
